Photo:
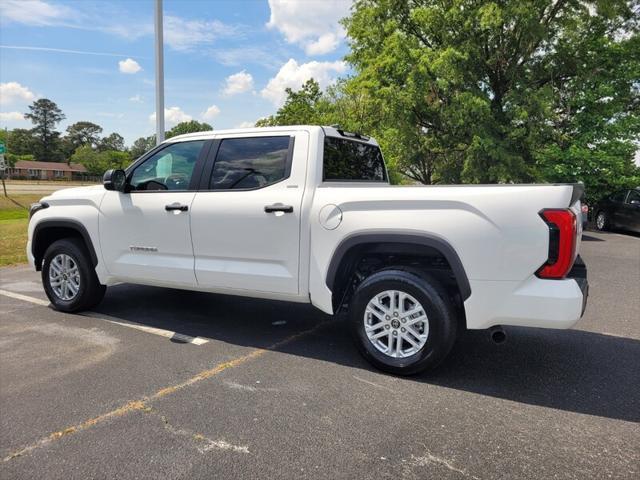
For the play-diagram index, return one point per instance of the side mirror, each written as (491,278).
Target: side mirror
(115,180)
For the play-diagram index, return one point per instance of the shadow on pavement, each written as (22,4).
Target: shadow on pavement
(571,370)
(589,238)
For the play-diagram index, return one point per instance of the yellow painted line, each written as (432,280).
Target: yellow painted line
(116,321)
(25,298)
(142,404)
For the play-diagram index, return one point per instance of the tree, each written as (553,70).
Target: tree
(45,115)
(83,133)
(114,159)
(350,108)
(306,106)
(87,156)
(96,162)
(487,91)
(114,141)
(21,142)
(191,126)
(142,145)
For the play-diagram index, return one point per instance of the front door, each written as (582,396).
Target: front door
(630,211)
(246,223)
(144,234)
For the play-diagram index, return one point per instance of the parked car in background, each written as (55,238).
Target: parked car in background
(620,210)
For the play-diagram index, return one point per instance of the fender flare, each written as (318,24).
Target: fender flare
(70,224)
(442,246)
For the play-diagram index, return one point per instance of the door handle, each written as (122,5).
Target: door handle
(278,207)
(176,206)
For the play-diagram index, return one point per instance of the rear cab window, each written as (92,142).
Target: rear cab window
(251,163)
(352,160)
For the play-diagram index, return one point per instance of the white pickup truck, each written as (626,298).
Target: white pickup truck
(306,214)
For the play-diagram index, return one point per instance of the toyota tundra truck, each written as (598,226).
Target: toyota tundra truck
(307,214)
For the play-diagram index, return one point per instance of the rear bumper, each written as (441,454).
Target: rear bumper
(533,303)
(579,274)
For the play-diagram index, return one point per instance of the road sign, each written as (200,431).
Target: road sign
(2,149)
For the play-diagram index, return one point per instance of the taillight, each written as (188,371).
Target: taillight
(562,243)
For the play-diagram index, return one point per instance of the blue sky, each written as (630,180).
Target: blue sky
(226,62)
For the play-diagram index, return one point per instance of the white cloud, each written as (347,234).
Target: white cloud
(313,25)
(61,50)
(129,66)
(11,92)
(11,116)
(211,112)
(181,34)
(324,44)
(267,57)
(293,75)
(136,98)
(172,116)
(245,125)
(238,83)
(35,12)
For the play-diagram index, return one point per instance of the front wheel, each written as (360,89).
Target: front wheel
(402,322)
(69,278)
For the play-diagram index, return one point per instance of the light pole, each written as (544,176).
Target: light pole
(159,74)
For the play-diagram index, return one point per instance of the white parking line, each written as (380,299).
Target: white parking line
(144,328)
(25,298)
(116,321)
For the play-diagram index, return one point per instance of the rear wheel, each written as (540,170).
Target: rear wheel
(69,278)
(403,322)
(602,221)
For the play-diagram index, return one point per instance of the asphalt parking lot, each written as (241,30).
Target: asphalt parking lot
(209,386)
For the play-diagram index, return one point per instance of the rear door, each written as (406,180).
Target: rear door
(617,208)
(245,220)
(144,234)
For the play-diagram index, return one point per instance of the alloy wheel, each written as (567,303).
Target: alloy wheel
(64,277)
(396,324)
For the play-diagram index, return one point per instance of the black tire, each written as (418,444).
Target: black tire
(90,291)
(603,223)
(440,313)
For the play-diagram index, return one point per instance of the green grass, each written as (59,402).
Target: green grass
(14,213)
(13,241)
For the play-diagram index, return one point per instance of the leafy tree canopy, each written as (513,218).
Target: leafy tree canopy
(20,141)
(503,91)
(45,115)
(142,145)
(191,126)
(83,133)
(96,162)
(114,141)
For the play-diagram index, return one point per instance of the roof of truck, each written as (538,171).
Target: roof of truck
(328,130)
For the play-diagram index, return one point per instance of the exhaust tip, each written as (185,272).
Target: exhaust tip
(497,334)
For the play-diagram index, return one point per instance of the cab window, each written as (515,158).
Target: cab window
(633,197)
(168,169)
(250,163)
(618,197)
